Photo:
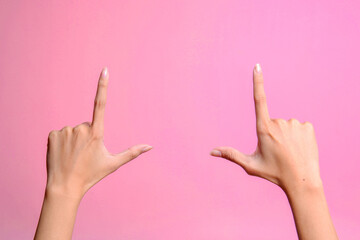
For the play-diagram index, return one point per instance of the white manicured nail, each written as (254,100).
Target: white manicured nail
(215,153)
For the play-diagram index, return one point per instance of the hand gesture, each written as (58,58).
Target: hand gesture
(77,158)
(286,153)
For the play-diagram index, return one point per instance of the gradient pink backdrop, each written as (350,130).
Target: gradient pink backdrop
(180,80)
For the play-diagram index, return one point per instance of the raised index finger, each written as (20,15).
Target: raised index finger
(261,110)
(99,103)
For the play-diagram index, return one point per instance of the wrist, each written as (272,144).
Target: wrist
(65,193)
(303,188)
(58,214)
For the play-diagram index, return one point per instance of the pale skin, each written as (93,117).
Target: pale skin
(287,155)
(76,160)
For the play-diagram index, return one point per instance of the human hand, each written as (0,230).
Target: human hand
(286,153)
(77,158)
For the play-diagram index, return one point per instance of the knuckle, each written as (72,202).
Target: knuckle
(230,155)
(259,98)
(259,81)
(82,128)
(280,123)
(66,129)
(99,103)
(308,125)
(52,134)
(132,153)
(87,124)
(293,121)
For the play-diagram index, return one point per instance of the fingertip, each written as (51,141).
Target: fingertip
(215,153)
(146,148)
(104,72)
(132,153)
(257,68)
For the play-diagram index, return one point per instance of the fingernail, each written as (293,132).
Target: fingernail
(215,153)
(104,72)
(146,148)
(258,68)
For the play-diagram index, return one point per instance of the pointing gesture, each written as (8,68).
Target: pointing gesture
(77,157)
(287,155)
(286,152)
(76,160)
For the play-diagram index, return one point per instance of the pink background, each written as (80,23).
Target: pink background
(180,80)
